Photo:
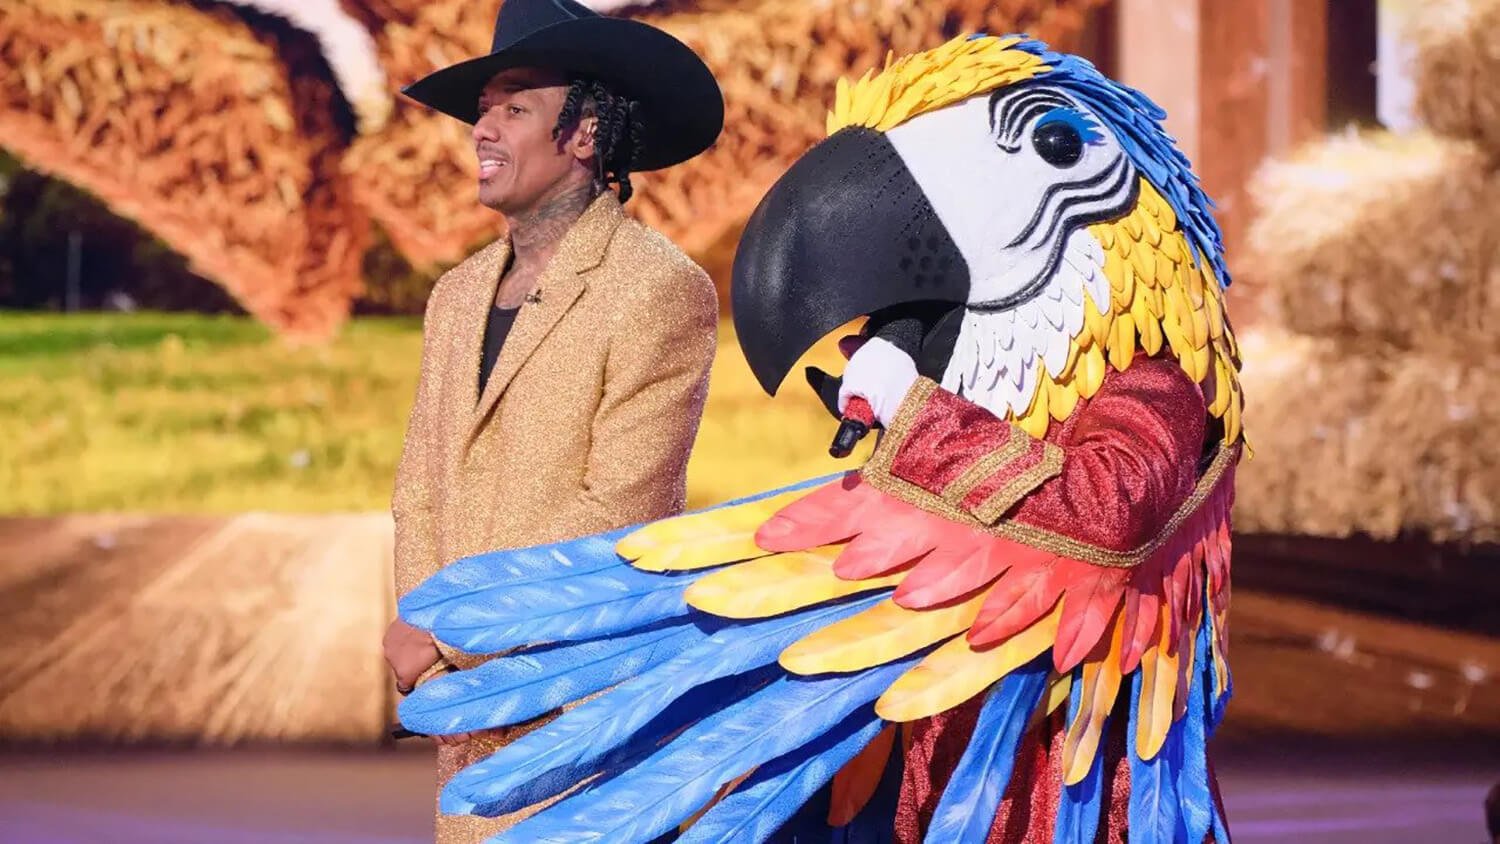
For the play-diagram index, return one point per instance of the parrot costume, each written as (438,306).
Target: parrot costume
(1010,624)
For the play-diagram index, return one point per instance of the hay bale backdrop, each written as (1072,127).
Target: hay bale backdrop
(234,156)
(1458,69)
(1381,238)
(777,61)
(1364,439)
(228,154)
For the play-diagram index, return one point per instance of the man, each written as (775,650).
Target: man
(564,367)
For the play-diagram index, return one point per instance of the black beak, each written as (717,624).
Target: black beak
(846,233)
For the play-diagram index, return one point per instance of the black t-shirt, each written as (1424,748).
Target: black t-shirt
(495,332)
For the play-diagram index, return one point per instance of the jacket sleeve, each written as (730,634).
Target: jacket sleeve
(1112,479)
(416,546)
(655,386)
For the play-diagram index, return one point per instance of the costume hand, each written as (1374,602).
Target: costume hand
(879,373)
(409,652)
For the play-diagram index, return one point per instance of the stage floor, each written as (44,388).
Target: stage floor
(1273,794)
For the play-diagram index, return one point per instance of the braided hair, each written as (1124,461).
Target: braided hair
(617,135)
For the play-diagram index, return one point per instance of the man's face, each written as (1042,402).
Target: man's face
(520,163)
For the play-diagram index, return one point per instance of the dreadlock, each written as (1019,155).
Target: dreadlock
(617,135)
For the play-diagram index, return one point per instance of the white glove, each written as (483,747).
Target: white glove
(882,375)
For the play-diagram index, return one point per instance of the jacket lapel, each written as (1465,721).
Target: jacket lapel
(487,264)
(562,282)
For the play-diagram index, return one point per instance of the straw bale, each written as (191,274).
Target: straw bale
(777,61)
(1380,238)
(1457,69)
(1358,440)
(230,155)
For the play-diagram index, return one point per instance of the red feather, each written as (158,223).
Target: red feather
(947,574)
(829,514)
(894,538)
(1141,629)
(1015,603)
(1088,608)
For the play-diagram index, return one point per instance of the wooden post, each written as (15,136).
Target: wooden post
(1241,80)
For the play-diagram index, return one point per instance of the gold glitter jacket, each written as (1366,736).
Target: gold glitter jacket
(589,416)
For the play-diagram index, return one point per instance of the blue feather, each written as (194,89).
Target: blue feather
(1078,806)
(584,606)
(663,790)
(1135,120)
(1153,817)
(775,792)
(521,686)
(968,805)
(595,728)
(1192,781)
(474,579)
(556,779)
(471,577)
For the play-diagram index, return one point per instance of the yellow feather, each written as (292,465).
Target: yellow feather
(1142,257)
(1090,374)
(1133,226)
(1057,695)
(1165,216)
(1073,352)
(1158,684)
(1232,420)
(1221,389)
(876,636)
(1122,345)
(1062,399)
(779,584)
(1105,234)
(1150,331)
(1202,358)
(1150,229)
(1101,684)
(700,540)
(1095,328)
(956,672)
(1166,272)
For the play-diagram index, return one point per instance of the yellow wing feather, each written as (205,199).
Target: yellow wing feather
(1101,685)
(779,584)
(1158,686)
(876,636)
(701,540)
(956,672)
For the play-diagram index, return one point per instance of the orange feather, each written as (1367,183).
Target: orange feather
(855,783)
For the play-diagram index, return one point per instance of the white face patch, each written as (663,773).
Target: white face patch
(1008,209)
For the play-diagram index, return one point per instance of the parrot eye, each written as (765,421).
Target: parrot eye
(1057,143)
(1061,134)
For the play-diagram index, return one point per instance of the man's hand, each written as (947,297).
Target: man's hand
(409,652)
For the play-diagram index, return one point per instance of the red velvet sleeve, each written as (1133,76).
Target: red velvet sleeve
(1111,475)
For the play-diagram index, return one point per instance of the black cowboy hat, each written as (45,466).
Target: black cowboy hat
(682,109)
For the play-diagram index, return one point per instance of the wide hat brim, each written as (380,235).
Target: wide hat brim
(682,108)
